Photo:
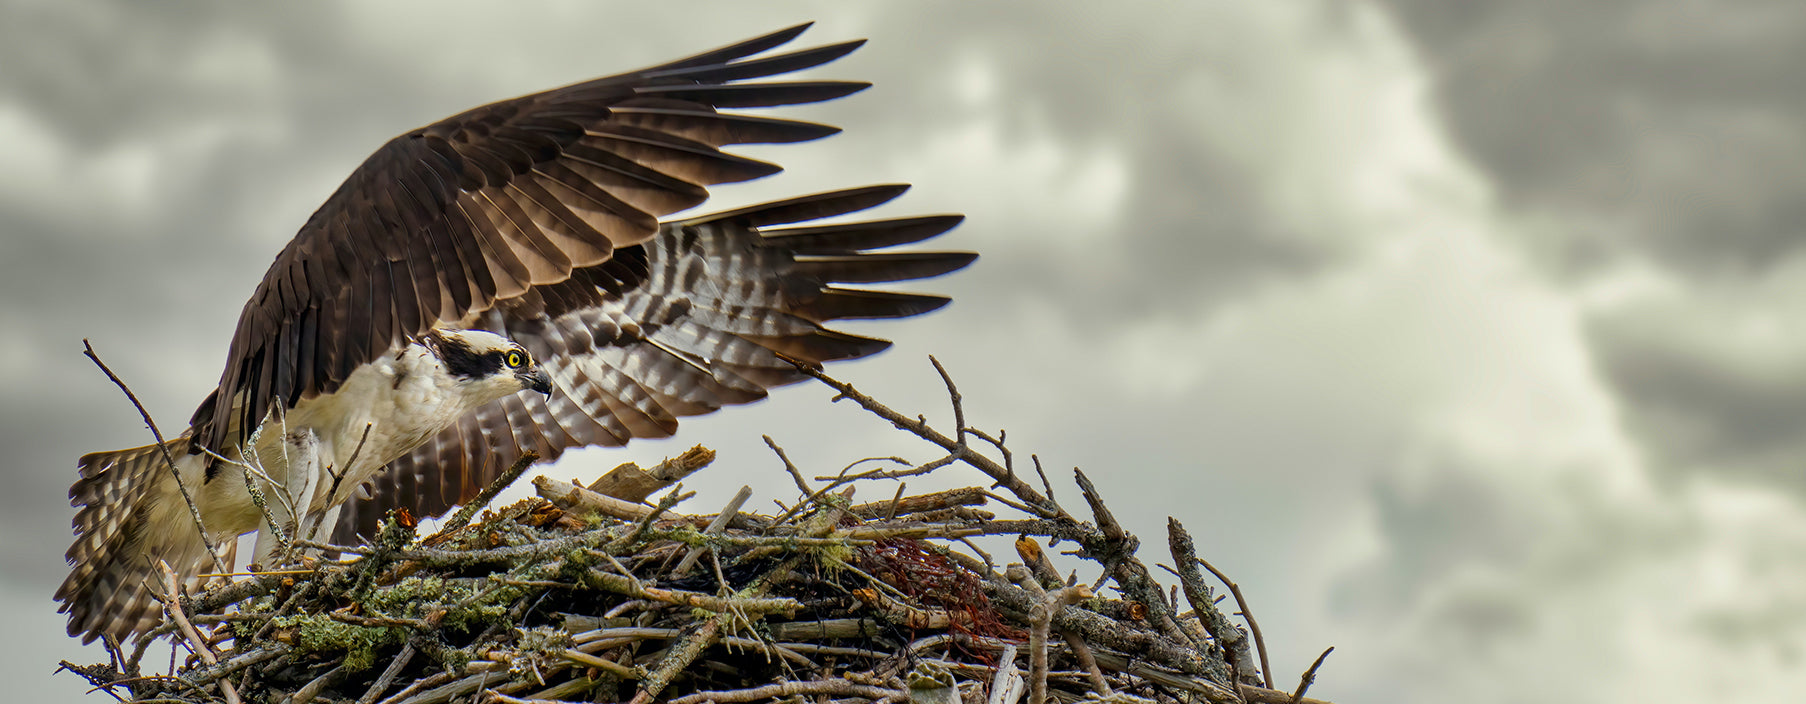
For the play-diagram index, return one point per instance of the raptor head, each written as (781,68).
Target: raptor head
(488,365)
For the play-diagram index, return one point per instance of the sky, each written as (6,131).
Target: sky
(1464,336)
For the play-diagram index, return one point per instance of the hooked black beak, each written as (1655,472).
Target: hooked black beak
(537,380)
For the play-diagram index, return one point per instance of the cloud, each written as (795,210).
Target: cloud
(1713,375)
(1407,326)
(1664,142)
(1675,129)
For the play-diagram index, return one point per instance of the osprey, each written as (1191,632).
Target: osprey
(497,282)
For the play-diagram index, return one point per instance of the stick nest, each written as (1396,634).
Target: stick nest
(592,594)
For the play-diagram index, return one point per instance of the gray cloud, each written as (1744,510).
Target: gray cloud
(1704,402)
(1676,129)
(1668,135)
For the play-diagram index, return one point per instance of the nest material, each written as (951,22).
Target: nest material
(589,594)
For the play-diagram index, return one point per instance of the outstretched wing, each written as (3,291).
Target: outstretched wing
(706,314)
(479,209)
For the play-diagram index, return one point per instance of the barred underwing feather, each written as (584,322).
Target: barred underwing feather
(713,311)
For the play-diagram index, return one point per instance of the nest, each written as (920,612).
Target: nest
(592,594)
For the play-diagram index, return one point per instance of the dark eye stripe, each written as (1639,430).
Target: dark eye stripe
(465,362)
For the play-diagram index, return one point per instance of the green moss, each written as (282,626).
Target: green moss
(318,633)
(418,597)
(833,556)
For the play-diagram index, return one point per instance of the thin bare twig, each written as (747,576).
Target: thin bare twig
(1310,676)
(193,511)
(469,509)
(959,409)
(1045,484)
(338,477)
(796,475)
(1003,477)
(1241,603)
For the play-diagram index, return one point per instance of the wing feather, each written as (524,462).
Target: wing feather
(441,223)
(712,311)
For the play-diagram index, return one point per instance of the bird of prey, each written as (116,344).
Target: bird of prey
(500,281)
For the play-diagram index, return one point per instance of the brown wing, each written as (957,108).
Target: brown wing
(701,316)
(480,208)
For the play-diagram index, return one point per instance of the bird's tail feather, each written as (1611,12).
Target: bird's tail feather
(117,544)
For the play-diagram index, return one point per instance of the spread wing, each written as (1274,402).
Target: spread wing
(703,315)
(474,212)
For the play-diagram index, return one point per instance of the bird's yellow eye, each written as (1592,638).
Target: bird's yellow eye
(517,359)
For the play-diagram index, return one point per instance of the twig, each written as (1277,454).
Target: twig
(796,475)
(1045,484)
(477,675)
(959,409)
(571,497)
(997,442)
(704,634)
(1211,690)
(251,470)
(627,586)
(173,605)
(312,689)
(1310,676)
(1006,684)
(896,500)
(1041,618)
(999,474)
(921,503)
(269,518)
(388,676)
(685,651)
(1088,661)
(609,666)
(1096,628)
(665,504)
(722,519)
(193,511)
(1037,561)
(628,482)
(469,509)
(420,684)
(332,490)
(381,621)
(833,687)
(909,470)
(1114,548)
(1232,639)
(1106,521)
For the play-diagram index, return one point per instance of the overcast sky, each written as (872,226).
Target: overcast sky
(1466,336)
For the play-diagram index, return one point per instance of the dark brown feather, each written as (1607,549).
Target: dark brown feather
(445,220)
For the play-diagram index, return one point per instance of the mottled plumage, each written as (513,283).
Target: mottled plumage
(536,219)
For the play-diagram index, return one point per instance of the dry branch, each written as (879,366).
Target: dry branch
(583,595)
